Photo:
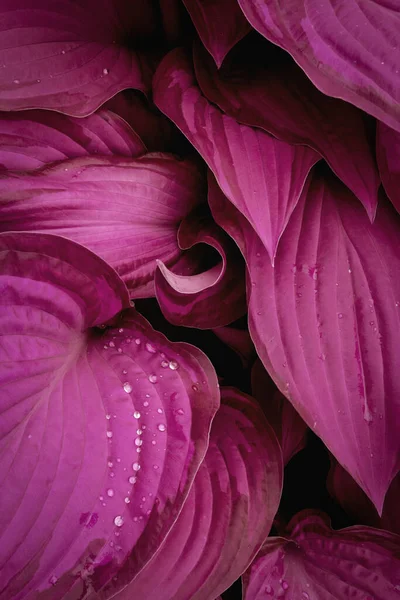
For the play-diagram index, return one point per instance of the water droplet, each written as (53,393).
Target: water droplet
(153,442)
(367,413)
(109,434)
(340,315)
(16,80)
(136,466)
(138,342)
(268,589)
(111,474)
(127,387)
(132,480)
(155,467)
(322,356)
(160,411)
(305,596)
(112,344)
(173,365)
(119,521)
(258,254)
(138,441)
(120,350)
(136,414)
(110,493)
(110,463)
(145,403)
(180,411)
(124,372)
(138,450)
(150,348)
(195,388)
(372,323)
(299,294)
(139,431)
(127,500)
(105,347)
(108,417)
(164,364)
(285,585)
(121,330)
(161,427)
(105,71)
(62,51)
(153,378)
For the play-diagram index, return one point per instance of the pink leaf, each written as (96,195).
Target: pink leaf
(325,322)
(219,23)
(388,156)
(127,211)
(99,443)
(31,139)
(72,56)
(263,177)
(313,561)
(228,513)
(348,48)
(289,427)
(213,297)
(251,89)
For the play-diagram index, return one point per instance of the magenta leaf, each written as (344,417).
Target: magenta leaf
(388,156)
(262,176)
(127,211)
(289,427)
(219,23)
(313,561)
(228,513)
(251,89)
(358,506)
(31,139)
(72,56)
(325,323)
(348,48)
(213,297)
(99,442)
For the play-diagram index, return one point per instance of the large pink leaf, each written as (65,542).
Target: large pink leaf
(325,322)
(127,211)
(358,506)
(219,23)
(388,156)
(348,48)
(32,139)
(261,175)
(313,561)
(228,513)
(289,427)
(251,89)
(72,56)
(99,442)
(213,297)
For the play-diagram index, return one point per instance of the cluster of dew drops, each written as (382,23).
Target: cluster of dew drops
(127,388)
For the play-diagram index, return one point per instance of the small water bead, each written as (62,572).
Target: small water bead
(101,498)
(120,350)
(121,330)
(124,372)
(305,596)
(16,80)
(110,493)
(145,403)
(147,395)
(105,347)
(160,411)
(340,315)
(108,417)
(173,365)
(119,521)
(285,585)
(112,344)
(153,378)
(136,466)
(139,431)
(53,580)
(195,388)
(127,500)
(180,411)
(155,467)
(138,450)
(138,342)
(164,364)
(144,499)
(138,441)
(127,387)
(105,71)
(150,348)
(161,427)
(109,434)
(132,480)
(110,463)
(268,589)
(136,414)
(153,442)
(128,340)
(148,511)
(111,474)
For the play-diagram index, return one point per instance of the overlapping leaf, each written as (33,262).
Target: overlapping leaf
(313,561)
(31,139)
(240,341)
(289,427)
(219,23)
(358,506)
(127,211)
(251,88)
(228,513)
(72,56)
(388,156)
(102,430)
(215,296)
(325,322)
(348,48)
(262,176)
